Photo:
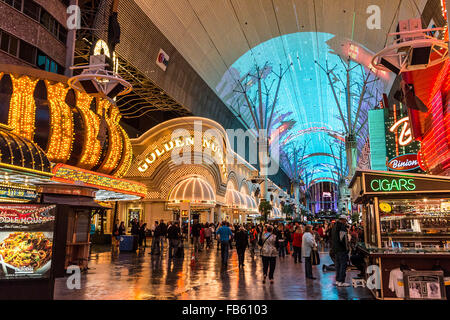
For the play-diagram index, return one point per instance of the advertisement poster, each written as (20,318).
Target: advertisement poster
(424,285)
(26,240)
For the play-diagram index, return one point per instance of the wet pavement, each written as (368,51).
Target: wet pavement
(141,276)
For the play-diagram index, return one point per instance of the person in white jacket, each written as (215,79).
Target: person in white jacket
(308,244)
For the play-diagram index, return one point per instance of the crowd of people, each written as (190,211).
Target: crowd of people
(302,241)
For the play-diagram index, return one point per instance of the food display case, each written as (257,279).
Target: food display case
(406,221)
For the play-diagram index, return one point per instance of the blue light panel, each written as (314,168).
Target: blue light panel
(306,109)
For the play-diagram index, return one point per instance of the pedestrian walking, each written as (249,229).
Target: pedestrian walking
(156,241)
(174,236)
(269,253)
(142,235)
(340,245)
(224,235)
(122,229)
(297,244)
(195,232)
(253,237)
(241,239)
(208,234)
(115,233)
(135,227)
(281,239)
(308,244)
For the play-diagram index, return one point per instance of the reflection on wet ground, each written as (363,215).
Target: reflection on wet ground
(135,276)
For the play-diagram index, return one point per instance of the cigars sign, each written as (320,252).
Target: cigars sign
(405,162)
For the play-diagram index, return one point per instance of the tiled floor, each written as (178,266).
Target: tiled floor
(139,275)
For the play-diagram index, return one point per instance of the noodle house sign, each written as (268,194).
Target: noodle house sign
(26,240)
(403,184)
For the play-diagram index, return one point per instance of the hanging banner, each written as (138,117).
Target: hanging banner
(26,240)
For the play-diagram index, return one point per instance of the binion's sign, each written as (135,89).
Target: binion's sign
(405,162)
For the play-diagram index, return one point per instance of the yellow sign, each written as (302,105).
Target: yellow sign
(158,152)
(385,207)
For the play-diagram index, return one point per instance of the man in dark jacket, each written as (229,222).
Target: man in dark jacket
(173,234)
(196,235)
(340,247)
(155,243)
(162,234)
(241,239)
(134,227)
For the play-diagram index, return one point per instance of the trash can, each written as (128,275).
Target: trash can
(128,243)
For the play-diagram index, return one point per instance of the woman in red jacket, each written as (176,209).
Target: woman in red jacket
(202,237)
(297,244)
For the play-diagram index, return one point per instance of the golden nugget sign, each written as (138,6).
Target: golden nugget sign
(207,144)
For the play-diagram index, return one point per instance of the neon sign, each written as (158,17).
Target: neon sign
(405,133)
(386,185)
(158,152)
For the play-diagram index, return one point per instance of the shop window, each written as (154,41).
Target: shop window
(31,9)
(4,45)
(14,3)
(47,64)
(36,12)
(13,45)
(8,43)
(62,34)
(46,19)
(27,52)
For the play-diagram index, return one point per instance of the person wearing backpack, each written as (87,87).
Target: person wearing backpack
(269,253)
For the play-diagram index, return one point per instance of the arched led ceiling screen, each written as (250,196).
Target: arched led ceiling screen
(306,112)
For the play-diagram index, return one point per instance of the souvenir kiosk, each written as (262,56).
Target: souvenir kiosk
(406,221)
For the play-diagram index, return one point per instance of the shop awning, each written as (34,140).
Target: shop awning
(251,204)
(276,212)
(235,199)
(75,201)
(194,190)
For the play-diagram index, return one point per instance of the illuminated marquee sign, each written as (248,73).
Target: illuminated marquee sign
(173,144)
(405,137)
(385,185)
(375,183)
(68,174)
(406,162)
(11,193)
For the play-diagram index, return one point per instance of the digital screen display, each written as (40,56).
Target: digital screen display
(26,240)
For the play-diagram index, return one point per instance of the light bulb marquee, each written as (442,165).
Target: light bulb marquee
(90,154)
(22,107)
(67,174)
(112,158)
(61,124)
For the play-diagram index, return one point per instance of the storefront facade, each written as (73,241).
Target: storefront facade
(182,149)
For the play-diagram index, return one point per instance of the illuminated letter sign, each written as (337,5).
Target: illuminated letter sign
(389,185)
(404,162)
(166,147)
(405,133)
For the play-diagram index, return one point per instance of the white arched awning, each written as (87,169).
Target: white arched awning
(251,204)
(276,212)
(195,190)
(235,199)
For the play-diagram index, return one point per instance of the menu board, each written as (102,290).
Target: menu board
(26,240)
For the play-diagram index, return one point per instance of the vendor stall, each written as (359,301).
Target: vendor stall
(406,221)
